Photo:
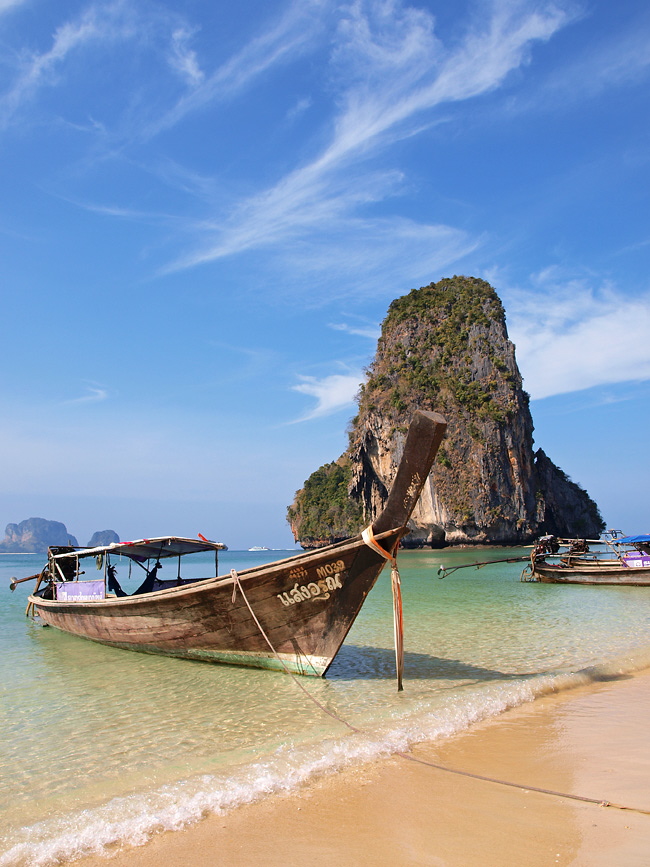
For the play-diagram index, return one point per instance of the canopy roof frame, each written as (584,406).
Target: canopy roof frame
(159,548)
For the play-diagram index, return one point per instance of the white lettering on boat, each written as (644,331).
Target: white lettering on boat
(320,589)
(330,569)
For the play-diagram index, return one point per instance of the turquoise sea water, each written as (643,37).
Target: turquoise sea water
(100,746)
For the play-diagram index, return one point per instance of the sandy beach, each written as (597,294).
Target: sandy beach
(590,743)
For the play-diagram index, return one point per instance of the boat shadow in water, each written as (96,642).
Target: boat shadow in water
(356,662)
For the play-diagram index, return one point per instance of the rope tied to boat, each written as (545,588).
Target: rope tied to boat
(396,586)
(238,586)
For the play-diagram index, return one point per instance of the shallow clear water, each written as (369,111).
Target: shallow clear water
(140,743)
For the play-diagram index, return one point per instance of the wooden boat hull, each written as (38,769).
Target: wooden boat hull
(292,614)
(305,605)
(613,575)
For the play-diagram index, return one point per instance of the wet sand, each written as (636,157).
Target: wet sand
(590,742)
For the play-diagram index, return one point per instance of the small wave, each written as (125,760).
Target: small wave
(135,819)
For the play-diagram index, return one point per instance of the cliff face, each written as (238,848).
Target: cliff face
(564,510)
(445,347)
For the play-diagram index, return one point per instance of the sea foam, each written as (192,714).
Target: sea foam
(135,819)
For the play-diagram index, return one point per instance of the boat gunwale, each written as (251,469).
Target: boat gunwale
(220,581)
(587,570)
(596,567)
(610,576)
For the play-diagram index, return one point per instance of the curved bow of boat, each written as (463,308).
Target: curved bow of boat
(422,443)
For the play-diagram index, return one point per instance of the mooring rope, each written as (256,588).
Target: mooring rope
(408,756)
(583,798)
(237,586)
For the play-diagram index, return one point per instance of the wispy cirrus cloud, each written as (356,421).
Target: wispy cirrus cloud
(278,43)
(372,332)
(608,60)
(573,336)
(40,69)
(164,34)
(399,73)
(389,75)
(183,59)
(299,108)
(7,5)
(94,394)
(371,256)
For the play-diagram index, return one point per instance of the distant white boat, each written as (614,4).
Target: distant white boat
(259,548)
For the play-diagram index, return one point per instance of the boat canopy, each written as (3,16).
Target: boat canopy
(145,549)
(633,540)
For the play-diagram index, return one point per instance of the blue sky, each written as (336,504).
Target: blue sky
(207,208)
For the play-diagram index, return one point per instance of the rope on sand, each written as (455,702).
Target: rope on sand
(584,799)
(408,756)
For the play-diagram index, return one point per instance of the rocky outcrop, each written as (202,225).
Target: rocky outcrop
(564,509)
(103,537)
(445,347)
(35,535)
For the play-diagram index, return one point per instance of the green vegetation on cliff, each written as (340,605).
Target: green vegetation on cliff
(322,509)
(430,341)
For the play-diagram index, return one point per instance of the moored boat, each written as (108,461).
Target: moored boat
(623,560)
(292,614)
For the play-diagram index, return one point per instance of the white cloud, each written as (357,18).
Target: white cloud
(161,33)
(332,393)
(394,73)
(369,257)
(97,23)
(608,60)
(571,337)
(299,108)
(391,73)
(183,59)
(7,5)
(372,332)
(277,44)
(94,394)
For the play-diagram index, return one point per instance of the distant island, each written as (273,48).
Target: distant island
(103,537)
(36,535)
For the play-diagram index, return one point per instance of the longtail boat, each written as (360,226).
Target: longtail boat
(292,614)
(622,561)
